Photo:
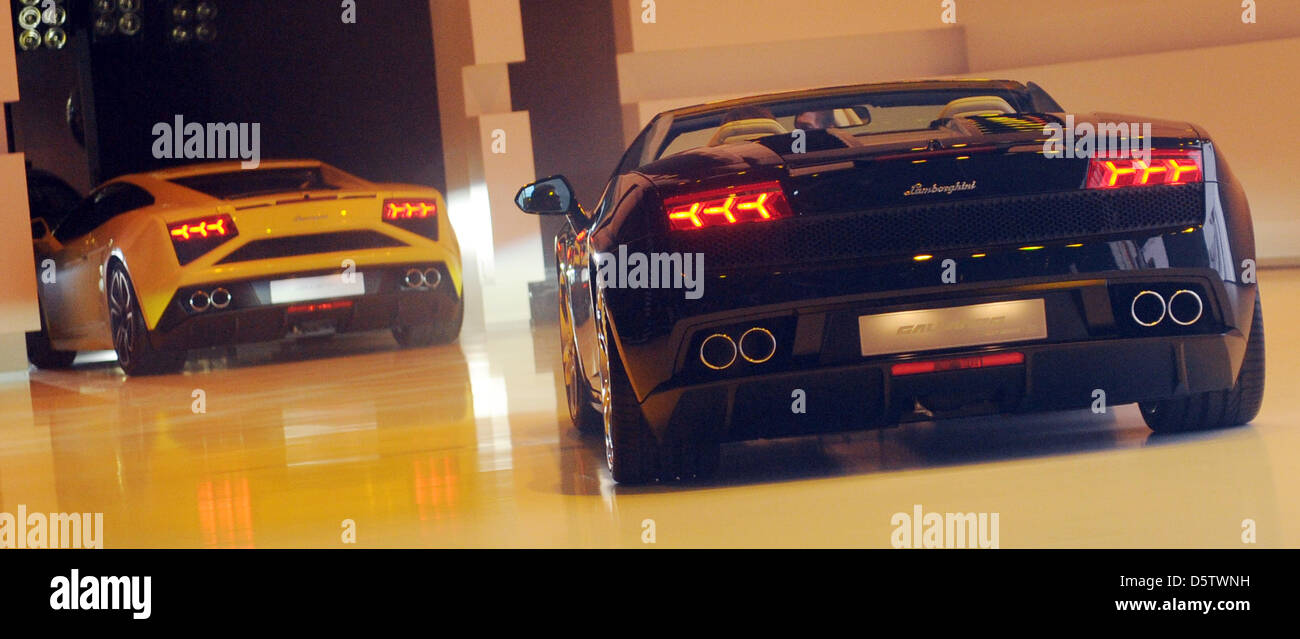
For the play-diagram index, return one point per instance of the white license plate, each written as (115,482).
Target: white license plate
(302,289)
(952,327)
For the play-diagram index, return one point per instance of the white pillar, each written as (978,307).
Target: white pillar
(488,153)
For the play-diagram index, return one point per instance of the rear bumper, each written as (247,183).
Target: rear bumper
(249,318)
(1052,377)
(1092,345)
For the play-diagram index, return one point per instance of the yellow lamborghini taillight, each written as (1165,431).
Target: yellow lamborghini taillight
(193,238)
(416,215)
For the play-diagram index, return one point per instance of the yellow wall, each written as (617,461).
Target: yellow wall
(1250,119)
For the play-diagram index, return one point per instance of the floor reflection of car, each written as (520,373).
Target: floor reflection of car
(897,252)
(152,265)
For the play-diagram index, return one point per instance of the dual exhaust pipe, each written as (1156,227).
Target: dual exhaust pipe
(429,278)
(1183,308)
(756,345)
(201,301)
(220,298)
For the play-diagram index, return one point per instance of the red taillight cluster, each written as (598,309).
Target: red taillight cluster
(724,207)
(202,229)
(193,238)
(320,306)
(409,209)
(958,363)
(417,215)
(1164,167)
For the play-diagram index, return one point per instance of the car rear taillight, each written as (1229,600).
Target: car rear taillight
(1164,167)
(957,364)
(193,238)
(417,215)
(319,307)
(724,207)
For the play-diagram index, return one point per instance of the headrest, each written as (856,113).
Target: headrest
(746,130)
(976,105)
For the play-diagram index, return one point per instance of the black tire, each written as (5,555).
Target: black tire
(1217,409)
(417,336)
(135,354)
(41,354)
(631,451)
(577,393)
(439,332)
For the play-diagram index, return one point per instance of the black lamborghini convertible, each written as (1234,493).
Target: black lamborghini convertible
(861,256)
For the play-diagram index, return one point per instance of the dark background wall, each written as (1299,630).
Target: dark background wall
(360,96)
(45,78)
(568,83)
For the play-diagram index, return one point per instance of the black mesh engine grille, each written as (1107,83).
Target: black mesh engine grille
(294,245)
(1009,123)
(937,227)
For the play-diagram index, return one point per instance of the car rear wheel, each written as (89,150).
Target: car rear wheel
(630,448)
(1217,409)
(632,452)
(135,354)
(444,331)
(42,354)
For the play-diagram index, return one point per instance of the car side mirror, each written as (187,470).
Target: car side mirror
(551,196)
(40,229)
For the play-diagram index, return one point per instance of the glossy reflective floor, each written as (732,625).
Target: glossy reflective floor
(469,446)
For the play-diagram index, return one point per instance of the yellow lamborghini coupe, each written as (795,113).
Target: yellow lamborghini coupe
(154,264)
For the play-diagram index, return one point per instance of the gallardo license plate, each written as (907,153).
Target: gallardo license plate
(952,327)
(302,289)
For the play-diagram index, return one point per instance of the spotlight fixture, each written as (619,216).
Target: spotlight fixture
(37,14)
(105,25)
(29,40)
(130,24)
(192,21)
(29,18)
(114,20)
(56,38)
(205,32)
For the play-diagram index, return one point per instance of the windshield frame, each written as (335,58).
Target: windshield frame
(667,126)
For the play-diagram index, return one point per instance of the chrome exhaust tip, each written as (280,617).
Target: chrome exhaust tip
(718,351)
(1148,308)
(199,301)
(432,277)
(1181,304)
(757,345)
(220,298)
(414,278)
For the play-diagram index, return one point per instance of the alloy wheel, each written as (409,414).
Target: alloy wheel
(606,403)
(121,313)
